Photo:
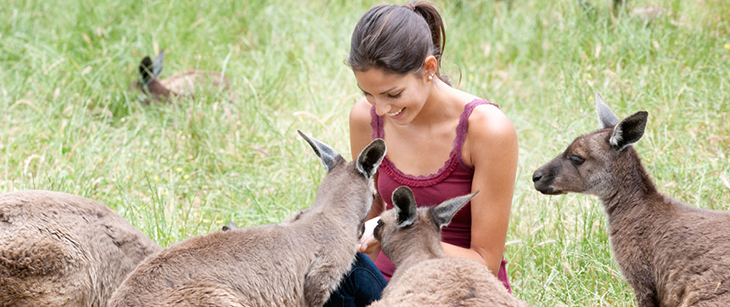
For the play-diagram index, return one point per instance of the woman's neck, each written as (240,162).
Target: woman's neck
(443,103)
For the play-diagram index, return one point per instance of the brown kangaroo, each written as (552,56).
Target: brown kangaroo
(671,253)
(295,263)
(179,85)
(424,276)
(58,249)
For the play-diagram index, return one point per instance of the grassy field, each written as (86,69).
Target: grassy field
(69,122)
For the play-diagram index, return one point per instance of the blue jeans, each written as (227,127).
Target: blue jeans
(360,287)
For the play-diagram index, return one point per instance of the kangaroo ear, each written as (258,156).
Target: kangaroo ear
(229,226)
(405,206)
(370,158)
(145,71)
(606,118)
(326,154)
(445,211)
(629,130)
(157,65)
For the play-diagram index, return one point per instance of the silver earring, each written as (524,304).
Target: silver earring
(430,77)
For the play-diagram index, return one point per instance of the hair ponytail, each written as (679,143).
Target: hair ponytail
(435,24)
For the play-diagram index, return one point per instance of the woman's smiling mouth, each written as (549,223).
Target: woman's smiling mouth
(396,113)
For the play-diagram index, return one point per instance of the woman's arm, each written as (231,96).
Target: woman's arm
(360,136)
(491,148)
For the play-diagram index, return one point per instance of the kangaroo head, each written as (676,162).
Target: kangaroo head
(147,81)
(591,162)
(405,228)
(347,185)
(149,70)
(229,226)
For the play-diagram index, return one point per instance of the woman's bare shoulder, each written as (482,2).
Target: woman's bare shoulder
(491,136)
(360,113)
(488,121)
(360,129)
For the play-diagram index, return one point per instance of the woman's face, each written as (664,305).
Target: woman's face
(399,97)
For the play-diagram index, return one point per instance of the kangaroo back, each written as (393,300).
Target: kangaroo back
(59,249)
(295,263)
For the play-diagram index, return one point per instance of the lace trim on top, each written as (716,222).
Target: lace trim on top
(455,157)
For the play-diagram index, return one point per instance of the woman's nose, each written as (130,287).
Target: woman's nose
(381,108)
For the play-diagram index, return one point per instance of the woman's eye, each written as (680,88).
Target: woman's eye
(576,160)
(394,96)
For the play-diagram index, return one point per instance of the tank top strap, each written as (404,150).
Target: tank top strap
(376,122)
(463,126)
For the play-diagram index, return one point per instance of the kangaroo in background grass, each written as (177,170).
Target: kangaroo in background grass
(295,263)
(424,276)
(58,249)
(671,253)
(179,85)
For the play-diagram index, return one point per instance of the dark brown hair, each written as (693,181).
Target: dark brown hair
(398,38)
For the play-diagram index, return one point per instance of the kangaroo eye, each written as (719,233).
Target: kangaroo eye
(376,231)
(576,160)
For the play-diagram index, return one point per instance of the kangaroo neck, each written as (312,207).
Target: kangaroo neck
(335,221)
(631,187)
(427,252)
(403,264)
(156,88)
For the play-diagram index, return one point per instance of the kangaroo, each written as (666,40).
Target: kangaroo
(424,276)
(179,85)
(58,249)
(671,253)
(298,262)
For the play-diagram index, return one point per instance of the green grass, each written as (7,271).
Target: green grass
(70,123)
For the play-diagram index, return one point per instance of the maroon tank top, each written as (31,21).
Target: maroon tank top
(452,180)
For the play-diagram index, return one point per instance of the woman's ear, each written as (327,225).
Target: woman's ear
(430,66)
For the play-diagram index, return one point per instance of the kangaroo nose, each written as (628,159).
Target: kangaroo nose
(536,176)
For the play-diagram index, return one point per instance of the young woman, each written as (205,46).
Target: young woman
(442,142)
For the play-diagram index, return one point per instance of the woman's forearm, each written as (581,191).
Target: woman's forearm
(468,253)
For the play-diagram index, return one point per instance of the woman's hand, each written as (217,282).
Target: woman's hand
(368,244)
